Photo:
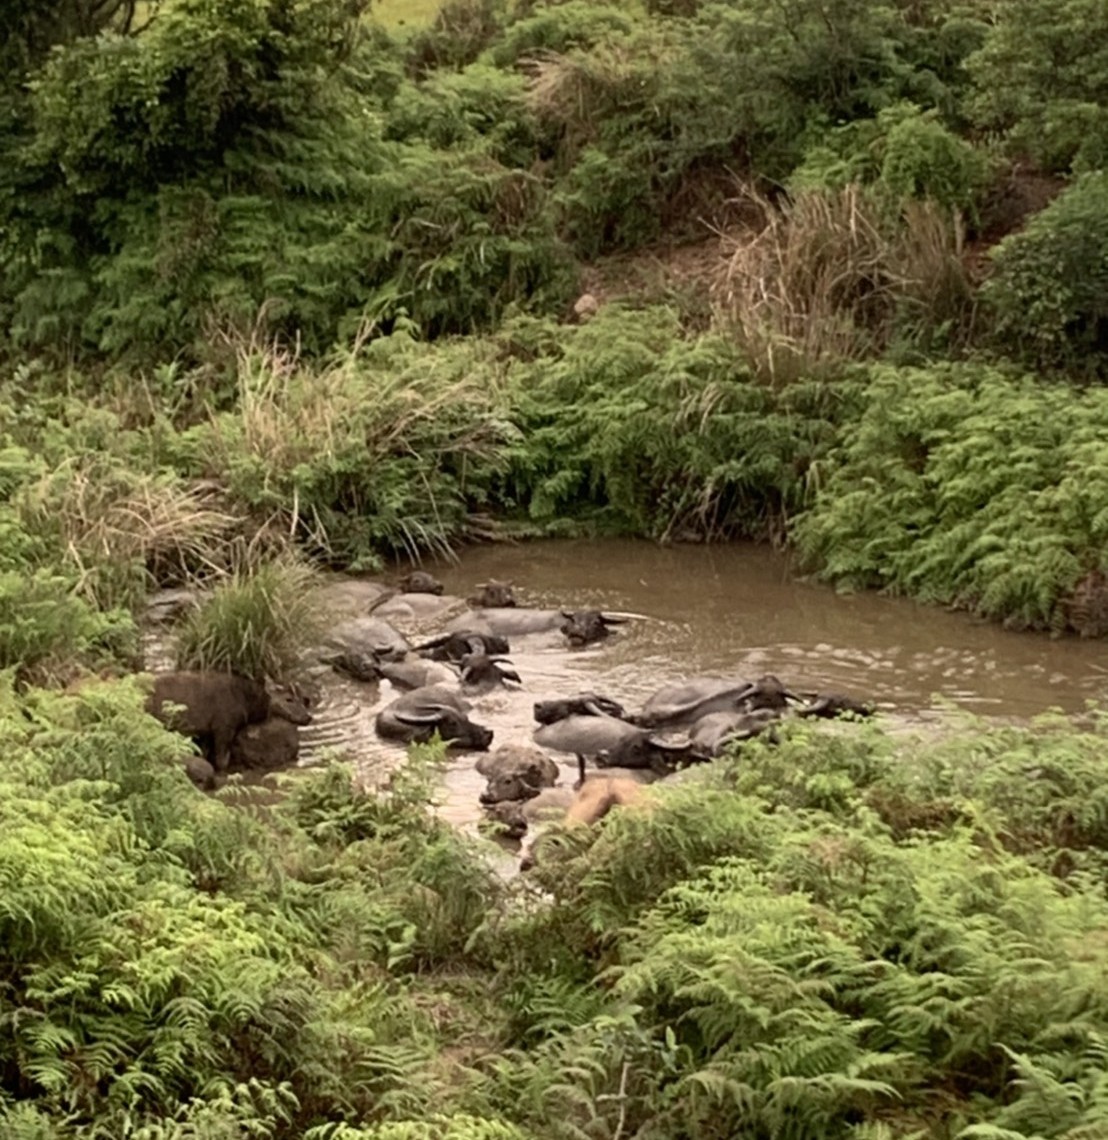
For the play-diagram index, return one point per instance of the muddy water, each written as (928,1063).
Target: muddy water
(732,610)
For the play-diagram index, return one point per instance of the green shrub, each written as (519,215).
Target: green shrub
(653,433)
(1046,292)
(1039,79)
(967,487)
(46,630)
(255,623)
(375,451)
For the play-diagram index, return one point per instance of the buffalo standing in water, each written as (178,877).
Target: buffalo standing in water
(214,707)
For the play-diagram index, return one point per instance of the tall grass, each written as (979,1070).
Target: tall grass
(255,623)
(119,530)
(374,451)
(830,276)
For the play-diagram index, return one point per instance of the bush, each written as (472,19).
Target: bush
(1039,79)
(255,623)
(1049,283)
(647,432)
(967,487)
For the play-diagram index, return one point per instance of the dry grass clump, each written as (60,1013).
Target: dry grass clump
(832,276)
(369,450)
(582,89)
(119,529)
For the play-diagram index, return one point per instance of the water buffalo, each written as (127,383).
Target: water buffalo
(216,706)
(416,673)
(611,741)
(712,733)
(480,672)
(507,621)
(358,666)
(768,693)
(583,704)
(369,637)
(829,705)
(420,582)
(493,595)
(418,715)
(593,801)
(515,772)
(454,646)
(687,701)
(583,627)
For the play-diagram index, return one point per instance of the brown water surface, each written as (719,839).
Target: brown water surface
(730,610)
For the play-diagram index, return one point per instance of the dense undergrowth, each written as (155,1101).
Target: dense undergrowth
(283,285)
(300,275)
(846,935)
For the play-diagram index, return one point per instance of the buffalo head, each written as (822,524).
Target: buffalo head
(493,595)
(583,627)
(290,702)
(420,582)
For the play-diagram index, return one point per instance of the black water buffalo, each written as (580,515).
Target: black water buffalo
(579,626)
(583,704)
(418,715)
(828,705)
(455,646)
(416,673)
(687,701)
(482,672)
(420,582)
(493,595)
(369,637)
(712,733)
(216,706)
(611,742)
(583,627)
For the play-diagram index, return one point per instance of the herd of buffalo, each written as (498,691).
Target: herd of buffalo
(242,722)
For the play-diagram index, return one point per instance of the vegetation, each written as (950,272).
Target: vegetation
(822,940)
(291,283)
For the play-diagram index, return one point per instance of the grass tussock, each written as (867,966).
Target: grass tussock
(255,623)
(120,530)
(366,453)
(829,276)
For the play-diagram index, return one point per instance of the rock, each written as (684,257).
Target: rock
(586,306)
(165,606)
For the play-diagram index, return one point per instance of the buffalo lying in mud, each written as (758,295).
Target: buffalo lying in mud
(592,802)
(418,715)
(369,637)
(455,646)
(514,772)
(493,595)
(712,733)
(579,626)
(420,582)
(584,704)
(214,707)
(612,742)
(583,627)
(828,705)
(480,672)
(416,673)
(686,702)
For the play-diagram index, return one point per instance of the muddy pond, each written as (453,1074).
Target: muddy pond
(733,610)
